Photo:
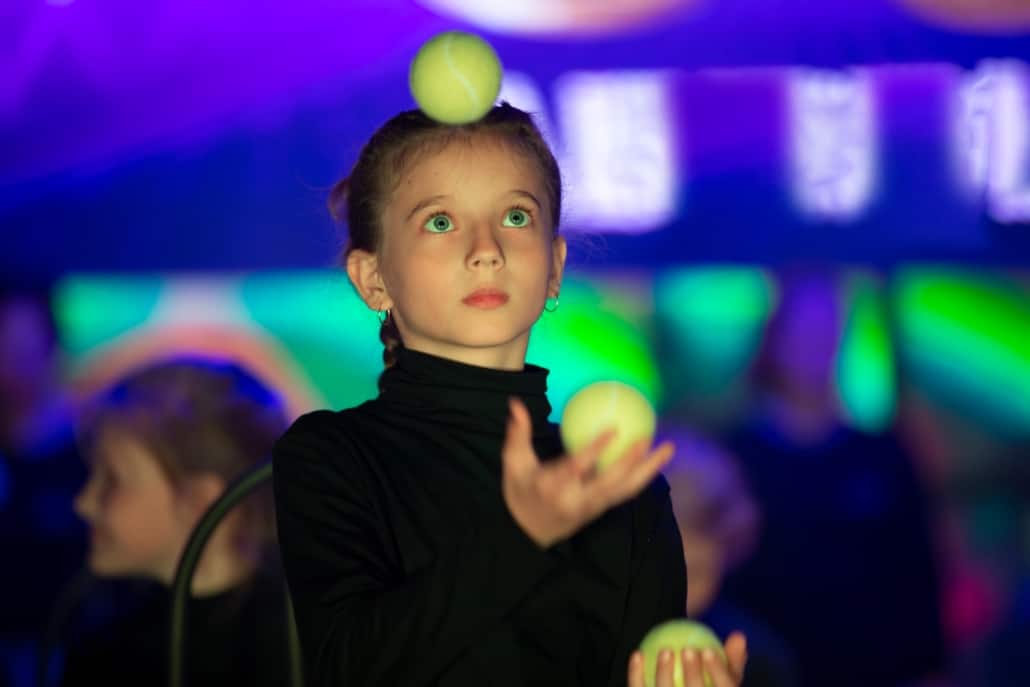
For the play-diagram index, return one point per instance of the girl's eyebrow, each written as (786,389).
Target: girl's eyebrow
(527,194)
(426,202)
(423,204)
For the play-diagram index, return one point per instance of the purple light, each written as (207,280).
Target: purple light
(992,138)
(620,149)
(833,142)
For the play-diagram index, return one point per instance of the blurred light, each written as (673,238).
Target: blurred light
(865,363)
(92,310)
(710,322)
(113,324)
(992,138)
(964,338)
(560,16)
(993,16)
(327,329)
(833,142)
(620,150)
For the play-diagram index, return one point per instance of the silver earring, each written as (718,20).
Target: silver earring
(383,316)
(549,306)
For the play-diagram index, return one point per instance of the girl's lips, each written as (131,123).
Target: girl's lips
(486,298)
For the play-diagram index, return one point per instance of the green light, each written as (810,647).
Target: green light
(865,369)
(710,321)
(93,310)
(327,330)
(966,338)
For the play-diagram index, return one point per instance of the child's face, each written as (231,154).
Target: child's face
(704,558)
(473,217)
(137,525)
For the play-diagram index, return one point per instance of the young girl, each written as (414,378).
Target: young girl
(162,445)
(437,535)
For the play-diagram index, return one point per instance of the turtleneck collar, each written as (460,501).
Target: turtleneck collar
(472,396)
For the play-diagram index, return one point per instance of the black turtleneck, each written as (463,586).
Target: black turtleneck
(406,567)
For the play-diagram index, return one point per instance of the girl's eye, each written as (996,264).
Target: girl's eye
(438,224)
(516,217)
(111,478)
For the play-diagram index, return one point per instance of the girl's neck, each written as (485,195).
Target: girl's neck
(495,357)
(224,564)
(220,572)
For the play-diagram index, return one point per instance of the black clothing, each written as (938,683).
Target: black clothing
(406,567)
(38,526)
(844,569)
(236,637)
(44,544)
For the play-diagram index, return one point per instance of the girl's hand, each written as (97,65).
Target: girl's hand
(552,501)
(695,665)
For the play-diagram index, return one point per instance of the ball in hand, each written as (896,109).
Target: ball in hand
(455,77)
(677,635)
(602,406)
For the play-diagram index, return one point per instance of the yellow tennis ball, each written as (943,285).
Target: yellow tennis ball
(455,77)
(607,405)
(677,635)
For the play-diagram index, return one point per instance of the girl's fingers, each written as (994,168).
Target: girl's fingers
(713,665)
(634,471)
(692,672)
(586,458)
(611,479)
(635,671)
(736,653)
(666,668)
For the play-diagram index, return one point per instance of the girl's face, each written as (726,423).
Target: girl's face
(704,558)
(138,525)
(469,255)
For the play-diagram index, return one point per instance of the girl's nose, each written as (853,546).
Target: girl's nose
(85,501)
(485,252)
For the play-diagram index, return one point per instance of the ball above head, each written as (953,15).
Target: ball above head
(607,405)
(455,77)
(677,635)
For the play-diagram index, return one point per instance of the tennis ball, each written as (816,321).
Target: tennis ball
(607,405)
(455,77)
(677,635)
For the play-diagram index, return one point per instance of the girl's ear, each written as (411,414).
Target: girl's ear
(363,270)
(559,249)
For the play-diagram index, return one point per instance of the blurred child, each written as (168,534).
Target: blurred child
(845,569)
(719,524)
(162,445)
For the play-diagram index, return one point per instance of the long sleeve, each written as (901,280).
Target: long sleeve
(361,621)
(658,591)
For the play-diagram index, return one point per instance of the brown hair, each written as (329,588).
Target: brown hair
(359,199)
(197,416)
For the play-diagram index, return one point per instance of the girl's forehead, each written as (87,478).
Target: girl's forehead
(477,172)
(483,159)
(118,447)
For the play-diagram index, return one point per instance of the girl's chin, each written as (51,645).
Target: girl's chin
(106,563)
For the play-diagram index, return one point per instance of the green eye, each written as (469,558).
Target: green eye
(516,217)
(439,224)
